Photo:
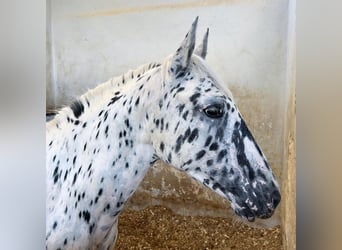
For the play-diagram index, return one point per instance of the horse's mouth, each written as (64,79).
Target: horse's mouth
(249,215)
(251,212)
(249,218)
(243,213)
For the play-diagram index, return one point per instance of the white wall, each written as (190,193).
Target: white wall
(91,41)
(94,40)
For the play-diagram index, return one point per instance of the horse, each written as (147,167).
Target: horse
(100,147)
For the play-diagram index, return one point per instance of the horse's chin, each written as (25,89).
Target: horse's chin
(251,219)
(247,214)
(240,213)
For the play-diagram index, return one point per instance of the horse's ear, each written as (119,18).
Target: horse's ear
(181,59)
(201,50)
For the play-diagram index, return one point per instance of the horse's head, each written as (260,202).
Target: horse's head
(201,131)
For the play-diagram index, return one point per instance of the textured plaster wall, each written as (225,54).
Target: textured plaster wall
(91,41)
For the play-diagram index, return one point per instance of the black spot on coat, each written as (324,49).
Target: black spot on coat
(193,135)
(77,108)
(114,99)
(194,97)
(207,142)
(213,146)
(200,154)
(221,155)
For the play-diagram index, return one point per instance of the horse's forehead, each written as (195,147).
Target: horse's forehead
(208,77)
(205,76)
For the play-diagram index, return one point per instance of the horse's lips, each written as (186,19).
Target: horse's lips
(251,219)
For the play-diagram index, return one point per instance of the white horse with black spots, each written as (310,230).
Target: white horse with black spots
(99,149)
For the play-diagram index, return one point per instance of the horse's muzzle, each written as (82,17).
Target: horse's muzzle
(259,209)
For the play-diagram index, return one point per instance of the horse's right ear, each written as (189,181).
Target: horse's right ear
(181,59)
(201,50)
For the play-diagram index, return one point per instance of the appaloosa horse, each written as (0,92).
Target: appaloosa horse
(99,149)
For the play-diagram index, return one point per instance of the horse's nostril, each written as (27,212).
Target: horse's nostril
(276,198)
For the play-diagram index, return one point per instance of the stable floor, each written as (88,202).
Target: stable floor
(159,228)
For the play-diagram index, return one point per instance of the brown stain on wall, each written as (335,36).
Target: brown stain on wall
(157,7)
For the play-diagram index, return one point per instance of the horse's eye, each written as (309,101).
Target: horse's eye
(214,111)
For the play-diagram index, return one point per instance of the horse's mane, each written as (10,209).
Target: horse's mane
(102,89)
(117,81)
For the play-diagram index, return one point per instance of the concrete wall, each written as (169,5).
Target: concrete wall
(91,41)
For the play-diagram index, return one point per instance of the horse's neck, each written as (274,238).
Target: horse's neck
(114,131)
(99,95)
(117,83)
(103,145)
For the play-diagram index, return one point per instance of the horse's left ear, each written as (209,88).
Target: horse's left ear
(181,59)
(201,50)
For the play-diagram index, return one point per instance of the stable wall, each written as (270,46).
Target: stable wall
(250,47)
